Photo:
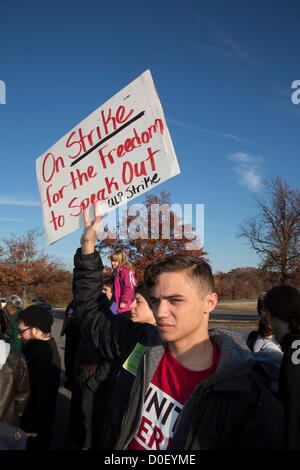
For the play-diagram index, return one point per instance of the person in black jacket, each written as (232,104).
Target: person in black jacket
(44,368)
(180,385)
(93,379)
(282,303)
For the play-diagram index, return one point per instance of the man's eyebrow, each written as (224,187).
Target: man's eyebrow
(172,296)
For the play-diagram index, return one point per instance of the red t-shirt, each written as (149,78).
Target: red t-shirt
(169,388)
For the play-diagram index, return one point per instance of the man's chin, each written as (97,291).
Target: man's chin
(166,335)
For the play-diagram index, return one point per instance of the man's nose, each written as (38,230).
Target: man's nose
(162,309)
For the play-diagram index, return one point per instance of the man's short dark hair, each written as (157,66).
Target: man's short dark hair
(195,268)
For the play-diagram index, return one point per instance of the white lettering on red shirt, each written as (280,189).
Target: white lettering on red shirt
(169,388)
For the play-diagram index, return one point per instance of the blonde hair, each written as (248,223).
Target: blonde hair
(121,257)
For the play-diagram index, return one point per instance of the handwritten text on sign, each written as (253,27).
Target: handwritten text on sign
(120,151)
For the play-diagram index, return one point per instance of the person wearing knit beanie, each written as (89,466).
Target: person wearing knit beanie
(44,367)
(140,307)
(36,317)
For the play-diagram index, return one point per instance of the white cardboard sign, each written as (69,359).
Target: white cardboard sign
(120,151)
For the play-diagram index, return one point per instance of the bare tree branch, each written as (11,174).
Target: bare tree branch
(274,233)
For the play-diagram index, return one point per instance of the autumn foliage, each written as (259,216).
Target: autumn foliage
(30,273)
(273,234)
(153,235)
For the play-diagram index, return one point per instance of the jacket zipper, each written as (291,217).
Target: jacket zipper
(130,437)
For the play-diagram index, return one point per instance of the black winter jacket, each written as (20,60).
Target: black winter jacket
(44,368)
(289,387)
(229,410)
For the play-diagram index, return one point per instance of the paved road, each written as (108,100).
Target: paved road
(234,315)
(60,440)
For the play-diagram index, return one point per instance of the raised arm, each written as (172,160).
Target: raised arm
(112,335)
(91,230)
(87,281)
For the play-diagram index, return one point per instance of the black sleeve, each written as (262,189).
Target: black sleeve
(113,335)
(22,387)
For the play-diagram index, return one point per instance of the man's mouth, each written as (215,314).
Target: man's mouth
(164,326)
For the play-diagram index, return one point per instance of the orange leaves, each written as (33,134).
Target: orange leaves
(155,232)
(29,272)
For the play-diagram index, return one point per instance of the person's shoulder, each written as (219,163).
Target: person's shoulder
(124,267)
(268,345)
(289,338)
(37,348)
(48,344)
(43,353)
(15,358)
(231,344)
(259,343)
(124,271)
(53,344)
(15,352)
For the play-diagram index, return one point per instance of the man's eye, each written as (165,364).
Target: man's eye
(174,301)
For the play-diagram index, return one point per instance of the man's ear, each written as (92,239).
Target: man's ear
(36,332)
(211,302)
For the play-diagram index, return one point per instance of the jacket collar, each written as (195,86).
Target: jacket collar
(235,360)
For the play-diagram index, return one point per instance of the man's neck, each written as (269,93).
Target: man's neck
(197,357)
(41,338)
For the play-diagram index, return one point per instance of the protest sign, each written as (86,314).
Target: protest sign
(117,153)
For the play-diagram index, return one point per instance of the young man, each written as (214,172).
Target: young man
(180,385)
(44,368)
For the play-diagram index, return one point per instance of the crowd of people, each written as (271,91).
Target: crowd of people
(145,368)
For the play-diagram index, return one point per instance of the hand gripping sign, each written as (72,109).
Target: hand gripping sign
(120,151)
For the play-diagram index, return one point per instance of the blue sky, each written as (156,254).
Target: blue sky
(223,72)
